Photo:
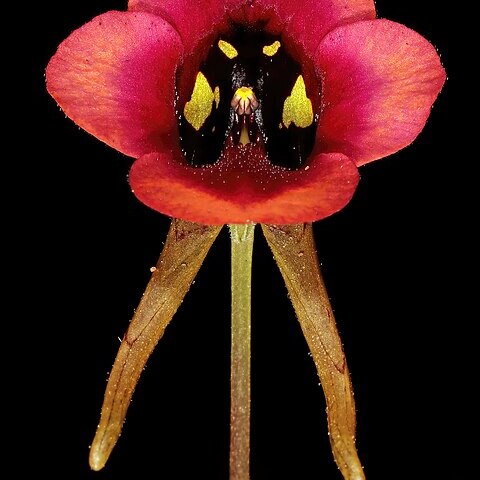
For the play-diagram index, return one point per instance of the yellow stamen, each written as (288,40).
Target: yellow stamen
(244,92)
(244,101)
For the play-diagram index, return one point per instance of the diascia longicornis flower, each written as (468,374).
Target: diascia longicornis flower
(244,113)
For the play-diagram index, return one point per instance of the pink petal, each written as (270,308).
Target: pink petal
(246,190)
(302,23)
(380,80)
(115,77)
(305,21)
(194,20)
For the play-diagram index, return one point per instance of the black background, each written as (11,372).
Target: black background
(388,263)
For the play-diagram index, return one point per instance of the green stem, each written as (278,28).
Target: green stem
(242,246)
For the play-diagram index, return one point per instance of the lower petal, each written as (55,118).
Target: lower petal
(380,80)
(224,193)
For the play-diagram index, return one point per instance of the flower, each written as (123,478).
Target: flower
(129,78)
(241,113)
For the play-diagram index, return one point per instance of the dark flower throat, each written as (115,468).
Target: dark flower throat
(253,64)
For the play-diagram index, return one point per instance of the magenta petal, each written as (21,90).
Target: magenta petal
(115,77)
(380,80)
(248,190)
(194,20)
(306,21)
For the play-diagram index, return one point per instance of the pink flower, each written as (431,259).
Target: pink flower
(239,113)
(370,84)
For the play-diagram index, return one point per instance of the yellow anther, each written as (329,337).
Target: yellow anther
(244,101)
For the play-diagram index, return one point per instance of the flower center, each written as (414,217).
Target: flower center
(249,90)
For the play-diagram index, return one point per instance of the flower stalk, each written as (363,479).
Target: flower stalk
(242,247)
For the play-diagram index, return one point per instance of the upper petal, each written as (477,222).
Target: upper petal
(194,20)
(115,77)
(232,193)
(380,80)
(307,21)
